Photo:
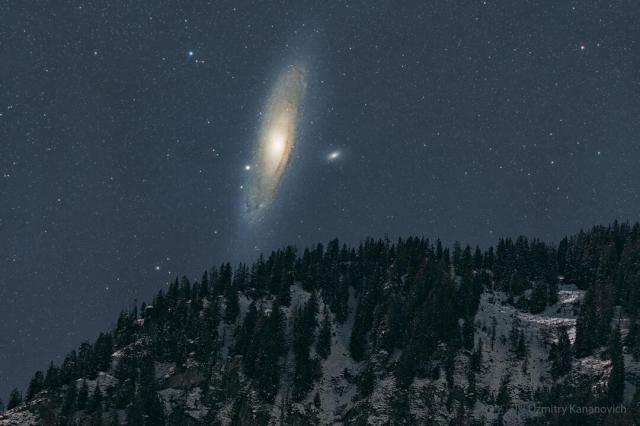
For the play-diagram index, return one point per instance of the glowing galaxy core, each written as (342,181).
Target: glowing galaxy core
(276,139)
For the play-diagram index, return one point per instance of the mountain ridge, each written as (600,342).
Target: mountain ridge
(408,332)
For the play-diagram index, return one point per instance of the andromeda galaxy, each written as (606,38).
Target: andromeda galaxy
(276,140)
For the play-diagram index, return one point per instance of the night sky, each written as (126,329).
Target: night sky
(126,128)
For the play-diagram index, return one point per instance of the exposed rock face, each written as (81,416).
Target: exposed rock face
(187,379)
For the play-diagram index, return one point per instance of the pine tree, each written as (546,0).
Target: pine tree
(96,418)
(476,357)
(494,323)
(449,368)
(271,345)
(70,400)
(306,369)
(35,385)
(521,346)
(149,399)
(103,349)
(366,382)
(468,330)
(83,395)
(616,378)
(95,404)
(514,334)
(401,409)
(525,364)
(406,368)
(323,345)
(477,258)
(126,390)
(503,399)
(15,399)
(233,306)
(586,326)
(245,333)
(204,285)
(632,340)
(284,287)
(561,354)
(538,297)
(471,388)
(593,323)
(358,339)
(115,419)
(52,378)
(207,331)
(552,297)
(135,413)
(364,315)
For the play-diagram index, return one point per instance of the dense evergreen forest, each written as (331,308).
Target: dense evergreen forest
(257,341)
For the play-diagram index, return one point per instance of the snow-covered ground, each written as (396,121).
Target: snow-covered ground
(20,416)
(499,361)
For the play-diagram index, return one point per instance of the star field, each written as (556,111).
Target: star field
(127,129)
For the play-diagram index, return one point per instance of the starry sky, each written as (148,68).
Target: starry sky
(125,129)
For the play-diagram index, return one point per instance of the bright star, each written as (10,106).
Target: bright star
(247,167)
(333,156)
(191,53)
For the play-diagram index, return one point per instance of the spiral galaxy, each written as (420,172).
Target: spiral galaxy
(276,140)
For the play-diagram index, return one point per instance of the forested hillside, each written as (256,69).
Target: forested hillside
(402,332)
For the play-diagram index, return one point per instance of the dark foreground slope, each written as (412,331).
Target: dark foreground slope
(383,333)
